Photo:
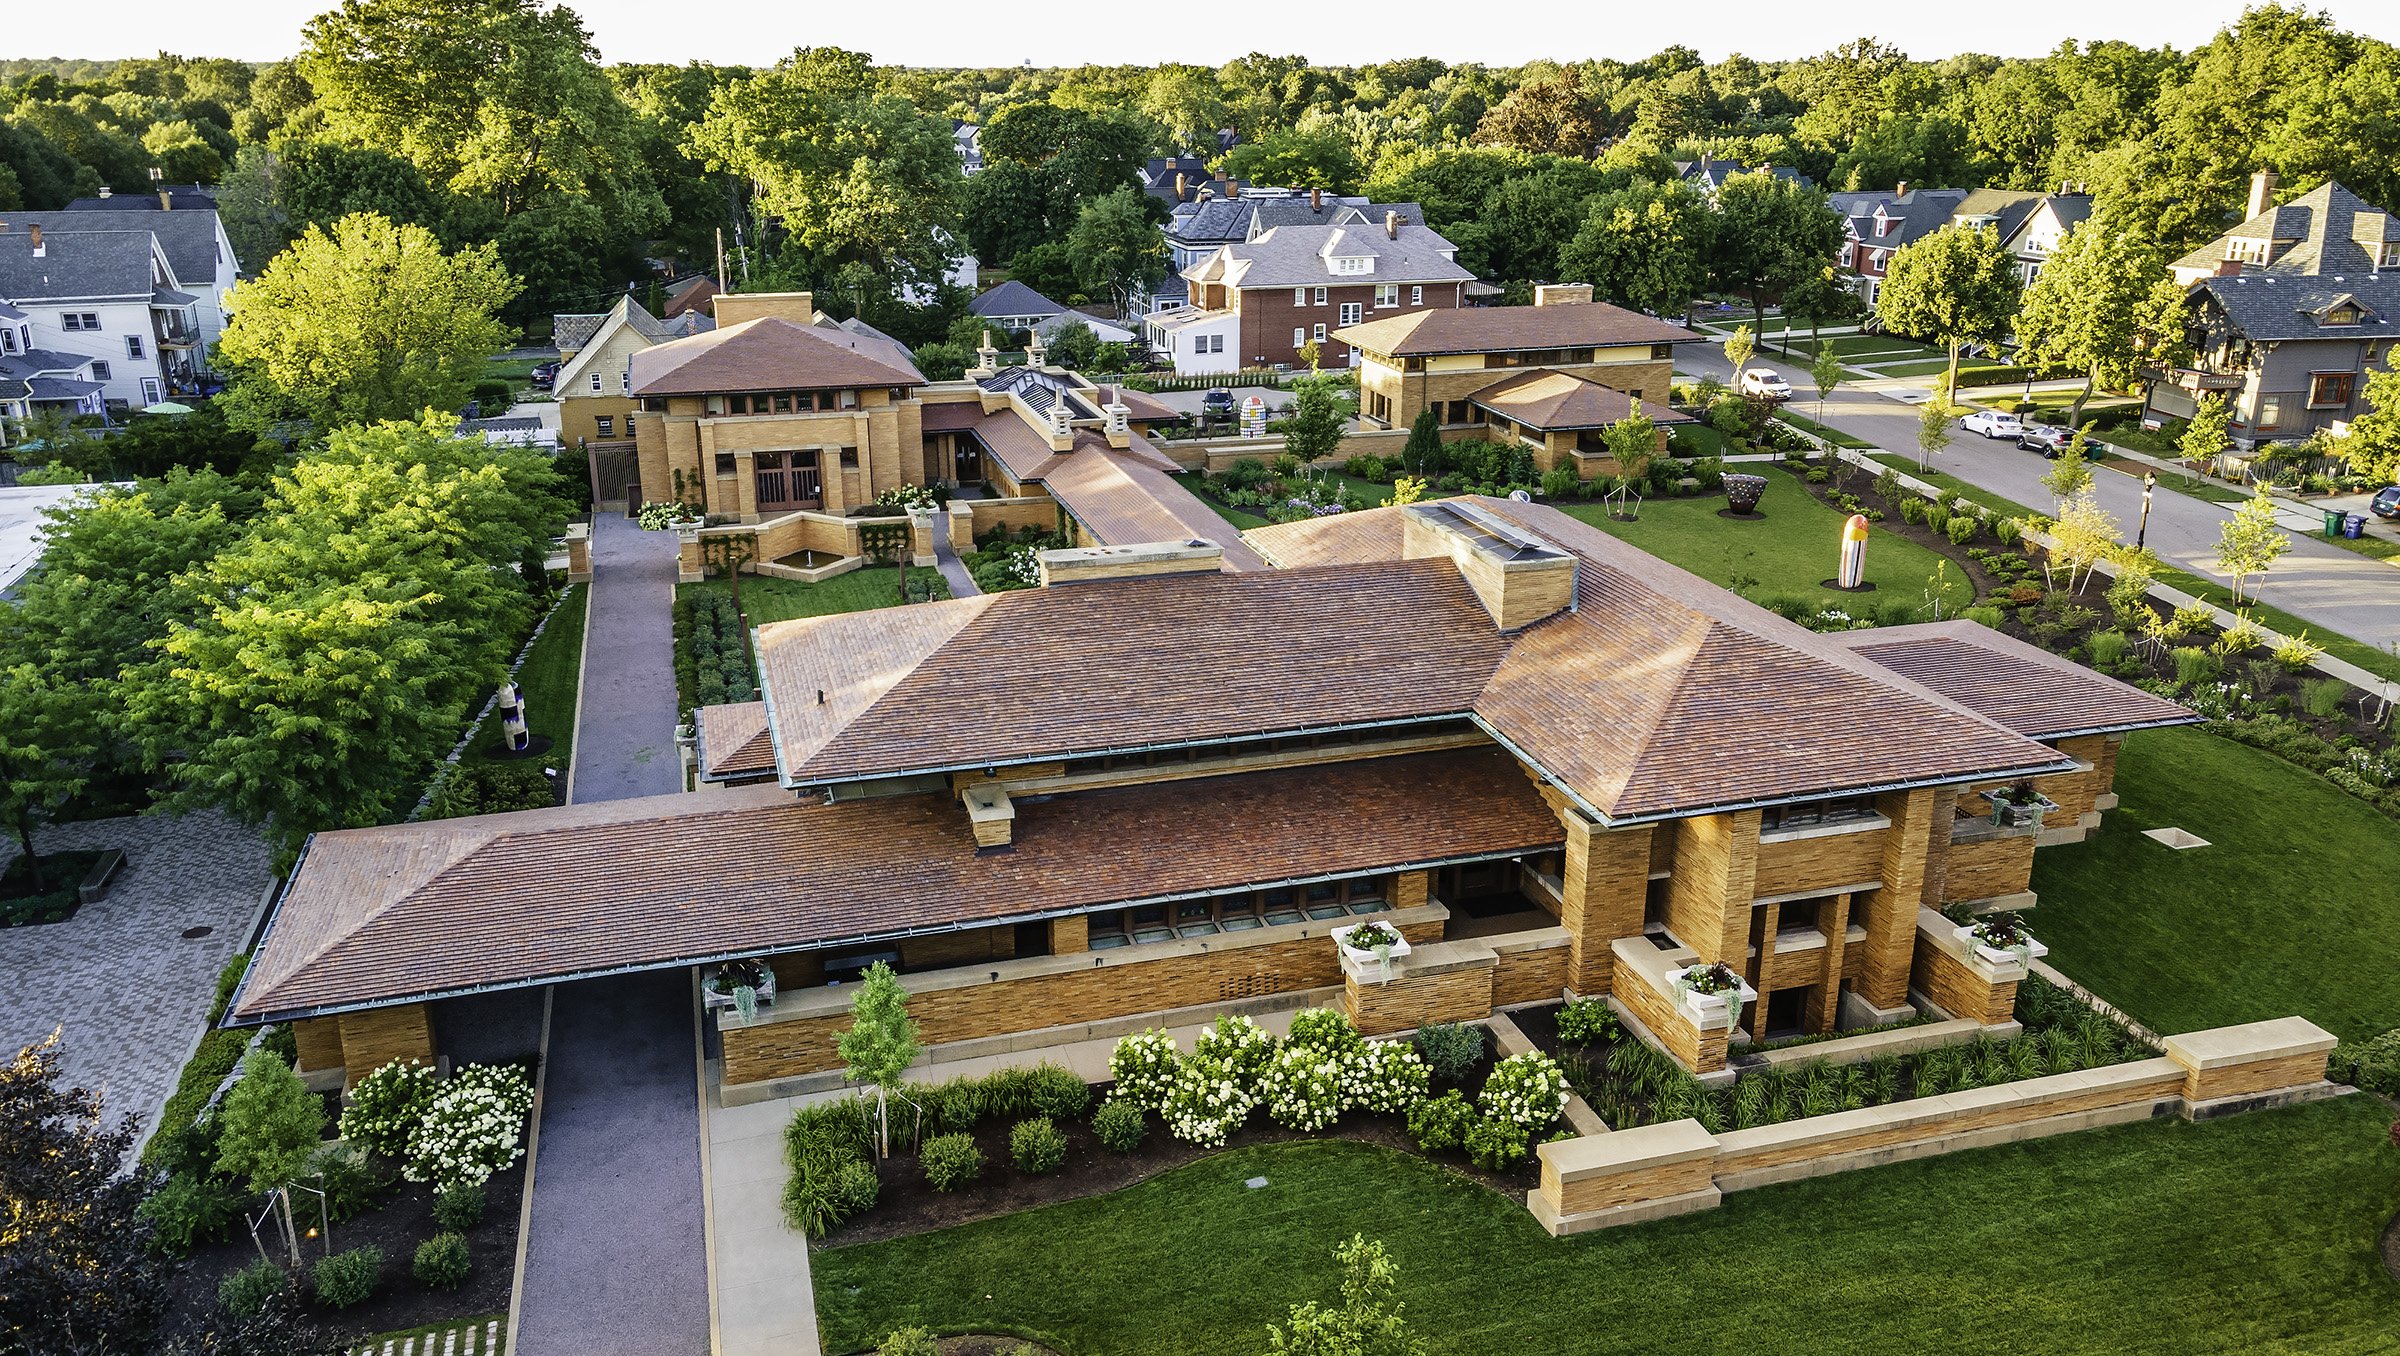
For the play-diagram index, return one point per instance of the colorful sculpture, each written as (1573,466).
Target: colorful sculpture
(514,733)
(1853,573)
(1254,417)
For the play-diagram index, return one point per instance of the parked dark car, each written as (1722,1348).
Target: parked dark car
(2047,439)
(543,376)
(1217,403)
(2386,503)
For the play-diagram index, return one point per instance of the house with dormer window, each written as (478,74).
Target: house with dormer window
(1260,302)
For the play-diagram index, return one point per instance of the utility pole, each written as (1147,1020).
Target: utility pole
(722,280)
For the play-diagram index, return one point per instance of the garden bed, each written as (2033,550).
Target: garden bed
(62,875)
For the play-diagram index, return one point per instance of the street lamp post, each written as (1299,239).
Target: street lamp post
(2149,485)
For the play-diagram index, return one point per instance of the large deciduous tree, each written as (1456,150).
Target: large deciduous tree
(2372,446)
(1117,249)
(2101,305)
(373,321)
(1769,235)
(857,174)
(1956,287)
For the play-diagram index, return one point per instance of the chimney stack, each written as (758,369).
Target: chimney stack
(1391,225)
(1182,185)
(2229,268)
(2262,193)
(166,201)
(1233,187)
(1900,190)
(1316,200)
(1562,294)
(36,232)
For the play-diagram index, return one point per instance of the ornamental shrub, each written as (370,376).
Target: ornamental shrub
(854,1187)
(1059,1092)
(1325,1030)
(1962,528)
(442,1262)
(1145,1065)
(1441,1122)
(189,1209)
(244,1293)
(1985,616)
(910,1341)
(1120,1125)
(347,1278)
(459,1208)
(950,1161)
(387,1104)
(1208,1102)
(1037,1146)
(1937,517)
(1238,1044)
(2008,531)
(2370,1064)
(1586,1020)
(1449,1048)
(472,1128)
(1913,509)
(1388,1077)
(1559,482)
(1527,1091)
(1302,1087)
(1496,1144)
(352,1183)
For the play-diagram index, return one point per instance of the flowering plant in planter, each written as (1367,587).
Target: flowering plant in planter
(2019,806)
(1371,941)
(741,985)
(2002,937)
(1710,989)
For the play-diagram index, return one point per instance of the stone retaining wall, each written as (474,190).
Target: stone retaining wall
(1594,1182)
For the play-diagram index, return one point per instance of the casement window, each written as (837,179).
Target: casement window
(625,380)
(1386,294)
(1299,296)
(82,320)
(2330,390)
(1812,814)
(1237,911)
(150,392)
(1320,296)
(1351,313)
(133,346)
(1416,296)
(100,371)
(8,341)
(849,458)
(606,425)
(2270,412)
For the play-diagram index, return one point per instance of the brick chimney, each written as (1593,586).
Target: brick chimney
(1901,189)
(1182,185)
(2262,193)
(36,233)
(1561,294)
(1391,225)
(1316,200)
(2229,268)
(1233,187)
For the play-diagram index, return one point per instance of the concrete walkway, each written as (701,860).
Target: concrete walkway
(2332,589)
(625,736)
(616,1260)
(954,570)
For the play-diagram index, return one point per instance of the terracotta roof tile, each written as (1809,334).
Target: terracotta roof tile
(734,739)
(1562,400)
(1493,329)
(391,914)
(768,354)
(2030,690)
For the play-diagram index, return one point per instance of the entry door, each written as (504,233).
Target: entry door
(787,480)
(966,460)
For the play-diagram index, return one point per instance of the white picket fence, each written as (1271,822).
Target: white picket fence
(477,1338)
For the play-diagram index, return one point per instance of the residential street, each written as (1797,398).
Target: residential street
(2340,590)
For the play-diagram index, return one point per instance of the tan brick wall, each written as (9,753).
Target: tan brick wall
(1626,1188)
(1961,989)
(1605,886)
(1890,914)
(1038,513)
(1408,1001)
(1985,870)
(944,949)
(1716,869)
(1700,1051)
(320,1042)
(371,1040)
(1070,935)
(2077,792)
(806,1045)
(1819,863)
(1530,976)
(2242,1080)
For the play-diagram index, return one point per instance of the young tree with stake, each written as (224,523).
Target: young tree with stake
(1826,370)
(2250,542)
(880,1044)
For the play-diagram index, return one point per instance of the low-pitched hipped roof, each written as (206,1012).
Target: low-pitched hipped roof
(768,354)
(386,915)
(2026,688)
(1013,298)
(1498,329)
(734,740)
(1562,400)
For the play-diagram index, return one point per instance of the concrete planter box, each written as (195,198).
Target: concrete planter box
(2007,816)
(1708,1011)
(715,1001)
(1997,956)
(1364,962)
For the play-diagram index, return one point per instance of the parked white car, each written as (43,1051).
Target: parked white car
(1994,424)
(1760,381)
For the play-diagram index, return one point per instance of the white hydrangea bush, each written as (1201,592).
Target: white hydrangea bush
(1238,1044)
(473,1127)
(1327,1030)
(1208,1102)
(1144,1065)
(387,1104)
(1386,1076)
(1302,1087)
(1527,1091)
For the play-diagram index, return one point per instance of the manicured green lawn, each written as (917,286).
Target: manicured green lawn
(1788,552)
(2293,908)
(552,678)
(1874,345)
(2251,1234)
(1914,367)
(772,600)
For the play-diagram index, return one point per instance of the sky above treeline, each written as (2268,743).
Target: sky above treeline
(1075,32)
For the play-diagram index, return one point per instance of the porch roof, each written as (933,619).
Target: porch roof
(375,917)
(2026,688)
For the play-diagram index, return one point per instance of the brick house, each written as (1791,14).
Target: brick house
(1259,302)
(1147,791)
(1553,375)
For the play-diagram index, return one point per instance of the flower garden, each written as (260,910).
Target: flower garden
(972,1148)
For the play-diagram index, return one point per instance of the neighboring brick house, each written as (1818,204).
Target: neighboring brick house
(1557,765)
(1259,302)
(1875,225)
(2291,311)
(595,365)
(1552,375)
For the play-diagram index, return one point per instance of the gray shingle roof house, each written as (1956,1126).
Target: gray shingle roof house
(2290,353)
(1015,305)
(1709,174)
(2328,229)
(1296,256)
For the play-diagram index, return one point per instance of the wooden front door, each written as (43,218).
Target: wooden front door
(788,481)
(967,460)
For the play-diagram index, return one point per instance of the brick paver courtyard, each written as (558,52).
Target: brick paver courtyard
(122,979)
